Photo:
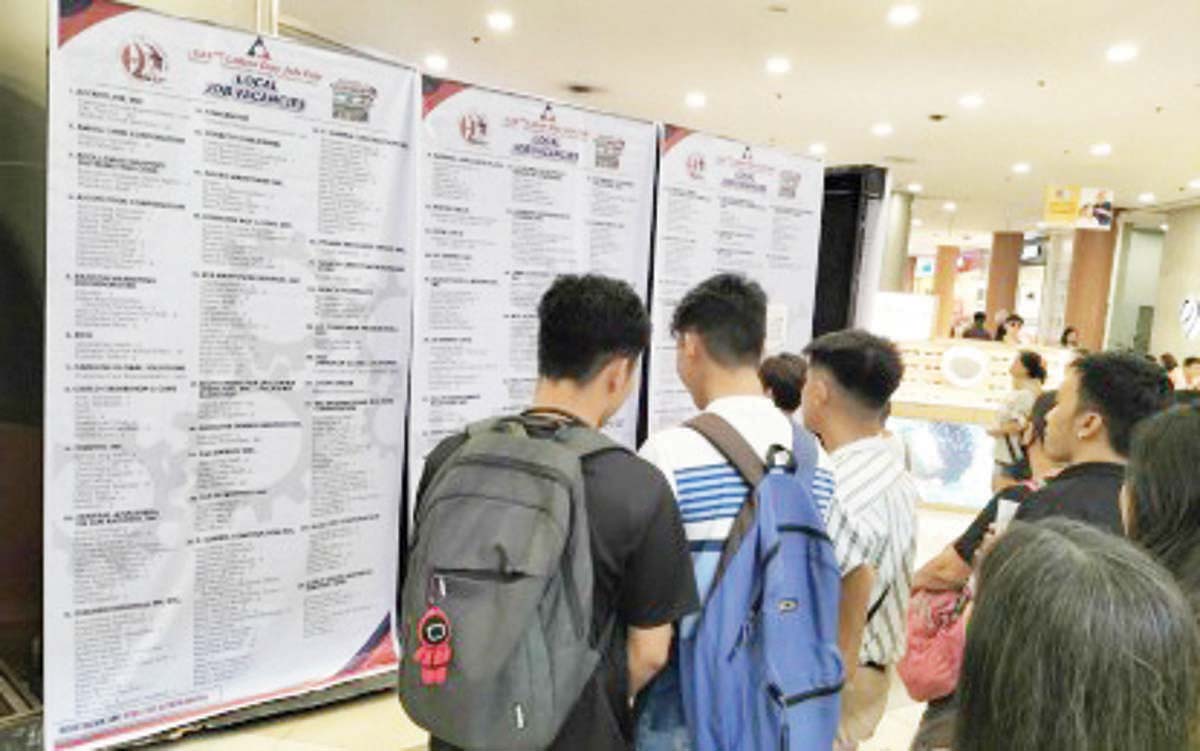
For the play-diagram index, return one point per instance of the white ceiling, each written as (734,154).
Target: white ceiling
(850,70)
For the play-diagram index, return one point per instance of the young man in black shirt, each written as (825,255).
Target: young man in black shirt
(1103,397)
(591,334)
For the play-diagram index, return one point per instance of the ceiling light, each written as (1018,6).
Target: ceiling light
(950,207)
(883,130)
(1194,184)
(1042,225)
(1101,149)
(817,149)
(436,63)
(1022,168)
(499,20)
(1122,53)
(971,102)
(915,187)
(778,65)
(1164,227)
(903,15)
(696,99)
(918,223)
(1146,198)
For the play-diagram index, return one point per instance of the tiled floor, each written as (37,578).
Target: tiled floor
(377,723)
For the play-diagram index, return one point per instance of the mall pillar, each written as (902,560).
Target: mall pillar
(1003,271)
(1178,280)
(1087,292)
(895,255)
(945,273)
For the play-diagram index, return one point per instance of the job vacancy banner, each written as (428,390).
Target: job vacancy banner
(728,206)
(228,297)
(516,191)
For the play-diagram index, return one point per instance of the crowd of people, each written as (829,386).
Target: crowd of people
(1081,613)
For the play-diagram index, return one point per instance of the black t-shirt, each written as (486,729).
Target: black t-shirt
(1088,493)
(969,542)
(643,575)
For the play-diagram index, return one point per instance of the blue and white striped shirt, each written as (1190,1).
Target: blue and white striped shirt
(710,491)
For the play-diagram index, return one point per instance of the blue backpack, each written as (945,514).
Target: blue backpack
(761,671)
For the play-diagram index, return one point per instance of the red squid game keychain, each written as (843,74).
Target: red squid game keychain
(433,651)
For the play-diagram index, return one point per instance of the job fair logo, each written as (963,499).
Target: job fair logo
(473,127)
(257,59)
(144,61)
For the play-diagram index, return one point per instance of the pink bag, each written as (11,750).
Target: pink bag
(937,636)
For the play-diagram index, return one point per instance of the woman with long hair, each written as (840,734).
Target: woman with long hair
(1161,499)
(1078,642)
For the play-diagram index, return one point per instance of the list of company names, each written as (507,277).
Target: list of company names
(515,192)
(229,272)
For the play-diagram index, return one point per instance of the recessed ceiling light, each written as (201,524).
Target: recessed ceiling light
(882,130)
(435,62)
(696,99)
(971,102)
(918,223)
(915,187)
(950,207)
(499,20)
(1042,225)
(817,149)
(1122,53)
(778,65)
(1146,198)
(1164,227)
(1022,168)
(1194,184)
(1101,149)
(904,15)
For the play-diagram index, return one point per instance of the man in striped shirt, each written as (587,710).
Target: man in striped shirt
(852,375)
(720,329)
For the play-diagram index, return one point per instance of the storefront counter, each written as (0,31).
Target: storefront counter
(950,396)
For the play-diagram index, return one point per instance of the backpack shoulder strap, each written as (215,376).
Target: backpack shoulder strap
(729,442)
(805,453)
(726,439)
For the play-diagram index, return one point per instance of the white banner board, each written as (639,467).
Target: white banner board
(228,297)
(726,206)
(516,190)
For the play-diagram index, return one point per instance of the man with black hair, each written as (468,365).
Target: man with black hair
(1103,397)
(978,328)
(720,331)
(852,375)
(592,331)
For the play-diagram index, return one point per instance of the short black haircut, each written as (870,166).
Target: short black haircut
(868,367)
(1168,361)
(980,318)
(1190,361)
(784,376)
(585,321)
(1066,334)
(1125,389)
(1033,363)
(729,313)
